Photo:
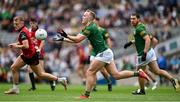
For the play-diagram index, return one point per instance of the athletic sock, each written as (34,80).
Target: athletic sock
(31,76)
(108,80)
(136,73)
(15,86)
(154,81)
(87,93)
(142,90)
(61,79)
(54,83)
(172,80)
(51,83)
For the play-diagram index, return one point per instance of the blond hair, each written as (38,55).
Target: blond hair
(20,18)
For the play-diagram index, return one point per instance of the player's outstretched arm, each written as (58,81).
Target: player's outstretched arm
(58,38)
(69,38)
(78,38)
(61,38)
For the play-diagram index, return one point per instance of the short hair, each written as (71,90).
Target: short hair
(97,18)
(136,14)
(93,14)
(33,20)
(19,18)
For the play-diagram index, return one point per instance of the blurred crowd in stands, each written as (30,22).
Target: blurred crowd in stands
(161,17)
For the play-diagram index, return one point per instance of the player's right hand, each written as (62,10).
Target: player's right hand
(61,31)
(58,38)
(38,53)
(12,45)
(127,44)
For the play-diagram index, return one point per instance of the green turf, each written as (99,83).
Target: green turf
(119,93)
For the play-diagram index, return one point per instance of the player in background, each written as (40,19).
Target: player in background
(28,56)
(146,55)
(39,45)
(103,54)
(154,42)
(81,68)
(107,39)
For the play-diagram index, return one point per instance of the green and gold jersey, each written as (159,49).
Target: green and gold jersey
(139,33)
(105,35)
(95,37)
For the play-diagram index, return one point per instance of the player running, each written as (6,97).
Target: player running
(103,54)
(154,42)
(39,45)
(81,68)
(107,39)
(28,56)
(146,55)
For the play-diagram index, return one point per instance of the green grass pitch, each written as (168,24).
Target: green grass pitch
(119,94)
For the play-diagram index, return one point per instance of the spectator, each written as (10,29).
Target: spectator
(175,64)
(162,62)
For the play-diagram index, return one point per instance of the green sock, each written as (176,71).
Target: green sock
(87,93)
(142,90)
(136,73)
(172,81)
(109,81)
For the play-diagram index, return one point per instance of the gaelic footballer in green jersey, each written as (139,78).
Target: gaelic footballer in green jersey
(103,71)
(154,42)
(105,35)
(95,37)
(146,54)
(104,55)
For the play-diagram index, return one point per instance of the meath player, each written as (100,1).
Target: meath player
(146,54)
(154,42)
(103,54)
(107,39)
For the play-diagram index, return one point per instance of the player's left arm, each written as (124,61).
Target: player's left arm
(154,42)
(147,43)
(108,40)
(146,37)
(41,46)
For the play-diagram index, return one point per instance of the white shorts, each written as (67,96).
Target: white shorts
(106,56)
(91,58)
(151,56)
